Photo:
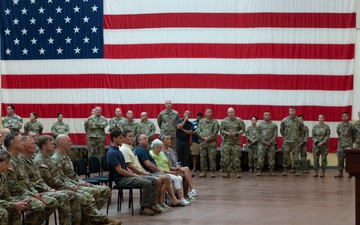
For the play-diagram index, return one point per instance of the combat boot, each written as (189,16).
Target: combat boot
(291,171)
(259,172)
(297,173)
(322,173)
(238,174)
(255,170)
(250,170)
(202,174)
(340,174)
(212,175)
(226,174)
(111,221)
(316,173)
(285,171)
(272,173)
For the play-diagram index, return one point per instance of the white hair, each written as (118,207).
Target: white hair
(156,143)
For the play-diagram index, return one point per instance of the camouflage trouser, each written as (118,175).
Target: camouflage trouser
(270,152)
(286,148)
(357,144)
(11,217)
(75,205)
(101,194)
(253,155)
(317,151)
(64,209)
(303,156)
(208,150)
(341,156)
(38,212)
(96,147)
(230,156)
(89,212)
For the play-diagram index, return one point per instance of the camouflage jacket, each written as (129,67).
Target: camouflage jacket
(64,164)
(14,123)
(115,123)
(167,122)
(347,134)
(5,198)
(147,128)
(228,125)
(268,132)
(291,128)
(133,126)
(321,133)
(36,127)
(96,126)
(304,136)
(252,133)
(207,128)
(60,128)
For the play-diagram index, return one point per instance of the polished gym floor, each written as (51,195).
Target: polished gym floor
(256,200)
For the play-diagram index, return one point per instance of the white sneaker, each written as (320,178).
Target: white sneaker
(193,193)
(161,208)
(190,199)
(184,202)
(164,206)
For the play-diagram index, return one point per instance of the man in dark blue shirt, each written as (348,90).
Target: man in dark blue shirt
(122,176)
(184,131)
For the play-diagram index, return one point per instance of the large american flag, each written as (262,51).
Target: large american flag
(254,55)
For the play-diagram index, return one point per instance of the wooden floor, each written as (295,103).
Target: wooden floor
(257,200)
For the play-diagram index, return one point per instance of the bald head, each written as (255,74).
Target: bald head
(4,132)
(63,143)
(231,113)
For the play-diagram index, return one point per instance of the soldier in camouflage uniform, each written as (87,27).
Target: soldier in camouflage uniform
(96,134)
(102,194)
(86,125)
(320,136)
(167,122)
(231,129)
(55,179)
(252,138)
(347,136)
(3,133)
(304,137)
(59,127)
(130,124)
(290,128)
(10,209)
(147,127)
(357,127)
(268,132)
(20,188)
(116,122)
(12,121)
(33,125)
(34,177)
(207,131)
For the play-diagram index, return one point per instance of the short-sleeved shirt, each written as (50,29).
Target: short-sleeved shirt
(130,156)
(115,158)
(181,135)
(144,155)
(161,160)
(195,138)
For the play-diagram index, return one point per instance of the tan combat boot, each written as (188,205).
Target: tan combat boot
(285,171)
(259,172)
(202,174)
(322,173)
(226,174)
(340,174)
(316,173)
(238,174)
(250,170)
(212,175)
(272,172)
(297,173)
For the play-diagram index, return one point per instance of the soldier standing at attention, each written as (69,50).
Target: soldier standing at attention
(347,136)
(10,209)
(304,137)
(59,127)
(96,133)
(116,121)
(41,206)
(357,127)
(231,129)
(291,128)
(252,138)
(86,126)
(320,137)
(147,127)
(268,134)
(207,131)
(167,122)
(130,124)
(33,125)
(12,121)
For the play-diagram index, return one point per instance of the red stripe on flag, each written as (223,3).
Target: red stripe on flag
(233,20)
(332,114)
(236,51)
(138,81)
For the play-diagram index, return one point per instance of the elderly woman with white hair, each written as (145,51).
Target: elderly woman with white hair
(163,163)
